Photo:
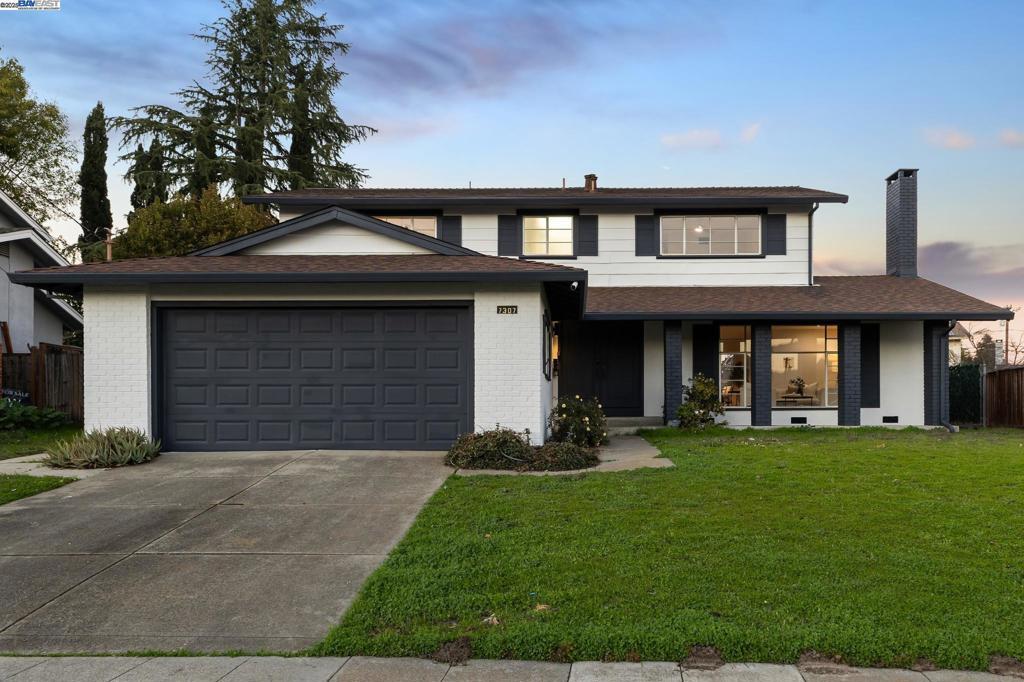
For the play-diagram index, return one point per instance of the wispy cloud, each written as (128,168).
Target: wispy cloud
(948,138)
(698,138)
(1011,138)
(992,273)
(750,132)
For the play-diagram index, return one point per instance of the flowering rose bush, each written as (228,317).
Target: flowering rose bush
(702,404)
(578,420)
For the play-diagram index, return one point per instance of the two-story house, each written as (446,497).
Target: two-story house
(399,318)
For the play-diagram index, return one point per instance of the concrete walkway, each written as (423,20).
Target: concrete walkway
(358,669)
(34,465)
(211,552)
(623,453)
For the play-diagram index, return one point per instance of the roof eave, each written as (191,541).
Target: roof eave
(783,315)
(546,202)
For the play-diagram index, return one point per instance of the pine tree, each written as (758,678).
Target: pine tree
(95,203)
(148,173)
(265,119)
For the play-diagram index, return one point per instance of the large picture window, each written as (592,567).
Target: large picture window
(805,366)
(547,235)
(716,235)
(423,224)
(734,365)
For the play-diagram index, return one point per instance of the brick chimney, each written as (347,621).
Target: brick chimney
(590,182)
(901,223)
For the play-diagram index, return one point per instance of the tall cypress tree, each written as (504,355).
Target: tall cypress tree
(95,203)
(267,107)
(147,172)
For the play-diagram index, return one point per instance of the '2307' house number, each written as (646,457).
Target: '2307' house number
(508,310)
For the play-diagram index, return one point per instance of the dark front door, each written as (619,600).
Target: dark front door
(317,378)
(605,360)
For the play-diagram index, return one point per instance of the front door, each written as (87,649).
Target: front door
(604,360)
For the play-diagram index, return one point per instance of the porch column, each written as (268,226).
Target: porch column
(673,368)
(761,374)
(936,372)
(849,374)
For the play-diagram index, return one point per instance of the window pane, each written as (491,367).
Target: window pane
(698,236)
(723,235)
(672,235)
(426,225)
(535,223)
(748,234)
(798,379)
(560,235)
(535,242)
(560,249)
(792,339)
(734,339)
(833,379)
(560,222)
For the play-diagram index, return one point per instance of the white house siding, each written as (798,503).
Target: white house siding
(17,303)
(336,238)
(509,387)
(902,375)
(48,327)
(654,368)
(117,358)
(823,417)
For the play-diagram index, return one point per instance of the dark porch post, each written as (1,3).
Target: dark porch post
(936,372)
(761,375)
(673,368)
(849,374)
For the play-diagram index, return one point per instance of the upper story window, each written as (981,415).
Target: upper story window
(716,235)
(547,235)
(423,224)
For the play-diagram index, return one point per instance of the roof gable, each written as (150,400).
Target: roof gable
(328,215)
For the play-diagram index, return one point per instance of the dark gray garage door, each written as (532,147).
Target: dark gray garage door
(350,378)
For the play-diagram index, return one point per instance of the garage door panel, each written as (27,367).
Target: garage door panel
(318,378)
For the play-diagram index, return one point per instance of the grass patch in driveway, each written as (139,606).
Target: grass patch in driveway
(883,547)
(16,486)
(21,442)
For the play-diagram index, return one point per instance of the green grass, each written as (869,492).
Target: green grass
(33,441)
(880,546)
(16,486)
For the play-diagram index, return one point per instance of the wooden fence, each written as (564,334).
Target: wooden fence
(1004,397)
(47,376)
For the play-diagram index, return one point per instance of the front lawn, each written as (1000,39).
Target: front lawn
(883,547)
(19,442)
(16,486)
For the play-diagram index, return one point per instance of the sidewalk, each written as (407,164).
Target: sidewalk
(360,669)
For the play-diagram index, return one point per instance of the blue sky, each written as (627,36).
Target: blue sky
(833,95)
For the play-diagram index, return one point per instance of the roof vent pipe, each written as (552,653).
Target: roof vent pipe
(590,182)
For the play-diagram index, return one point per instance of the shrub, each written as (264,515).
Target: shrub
(499,448)
(101,449)
(16,415)
(555,456)
(577,420)
(701,404)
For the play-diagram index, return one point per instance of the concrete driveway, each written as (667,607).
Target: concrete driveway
(204,551)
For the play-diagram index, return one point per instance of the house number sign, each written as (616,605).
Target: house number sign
(508,310)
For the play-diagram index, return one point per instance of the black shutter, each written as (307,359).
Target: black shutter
(586,235)
(646,235)
(510,236)
(451,229)
(705,351)
(870,366)
(775,234)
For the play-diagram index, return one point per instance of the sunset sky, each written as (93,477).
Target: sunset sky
(827,95)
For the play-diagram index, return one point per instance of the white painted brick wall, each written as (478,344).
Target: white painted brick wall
(117,359)
(509,380)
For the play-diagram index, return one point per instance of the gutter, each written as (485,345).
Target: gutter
(810,244)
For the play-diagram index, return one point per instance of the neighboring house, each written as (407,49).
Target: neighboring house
(959,342)
(32,316)
(399,318)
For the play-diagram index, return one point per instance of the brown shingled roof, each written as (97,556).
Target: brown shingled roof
(302,268)
(856,297)
(603,195)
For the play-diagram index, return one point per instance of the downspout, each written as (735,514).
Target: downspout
(952,428)
(810,245)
